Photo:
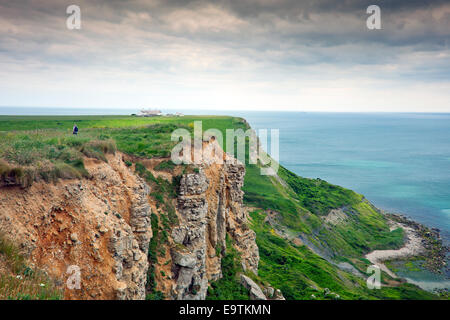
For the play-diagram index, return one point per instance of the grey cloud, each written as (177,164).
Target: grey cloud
(158,35)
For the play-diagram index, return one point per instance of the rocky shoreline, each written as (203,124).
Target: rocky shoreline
(434,251)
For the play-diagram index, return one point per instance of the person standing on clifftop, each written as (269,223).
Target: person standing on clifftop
(75,129)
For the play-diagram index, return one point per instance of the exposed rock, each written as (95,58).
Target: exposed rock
(74,237)
(56,226)
(193,184)
(278,295)
(273,294)
(335,217)
(102,230)
(209,206)
(179,234)
(255,291)
(434,251)
(269,292)
(140,216)
(189,267)
(187,260)
(103,225)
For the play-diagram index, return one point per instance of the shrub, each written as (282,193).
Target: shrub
(158,197)
(11,253)
(20,282)
(28,177)
(67,155)
(65,171)
(229,287)
(22,154)
(90,152)
(105,146)
(74,141)
(46,171)
(13,176)
(4,167)
(98,148)
(79,165)
(144,173)
(165,165)
(157,295)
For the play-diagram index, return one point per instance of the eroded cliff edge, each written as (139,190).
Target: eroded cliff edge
(102,225)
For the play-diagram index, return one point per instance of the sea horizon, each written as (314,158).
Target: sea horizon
(37,111)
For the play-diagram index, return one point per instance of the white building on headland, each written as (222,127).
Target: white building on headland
(157,113)
(149,113)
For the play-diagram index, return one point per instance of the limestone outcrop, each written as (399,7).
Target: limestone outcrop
(255,291)
(210,206)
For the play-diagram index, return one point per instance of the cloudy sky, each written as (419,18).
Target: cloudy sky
(314,55)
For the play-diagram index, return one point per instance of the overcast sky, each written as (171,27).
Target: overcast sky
(314,55)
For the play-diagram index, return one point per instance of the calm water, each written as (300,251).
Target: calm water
(400,162)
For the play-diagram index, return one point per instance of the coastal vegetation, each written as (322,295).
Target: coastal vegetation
(20,282)
(229,287)
(306,229)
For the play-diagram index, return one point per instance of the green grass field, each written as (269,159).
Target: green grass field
(43,148)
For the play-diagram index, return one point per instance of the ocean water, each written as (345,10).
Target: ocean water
(399,161)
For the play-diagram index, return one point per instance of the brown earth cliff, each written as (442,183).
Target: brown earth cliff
(102,226)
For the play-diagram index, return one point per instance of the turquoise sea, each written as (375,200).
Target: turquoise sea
(399,161)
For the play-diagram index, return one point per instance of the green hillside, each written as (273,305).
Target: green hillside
(299,251)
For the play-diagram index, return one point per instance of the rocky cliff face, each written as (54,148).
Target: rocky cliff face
(99,225)
(209,206)
(102,226)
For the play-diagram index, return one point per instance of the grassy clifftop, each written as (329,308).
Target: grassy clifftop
(312,235)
